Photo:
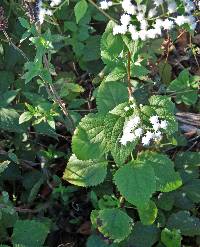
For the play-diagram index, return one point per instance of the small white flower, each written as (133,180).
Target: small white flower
(152,13)
(172,7)
(140,16)
(133,122)
(157,136)
(126,108)
(105,4)
(180,20)
(142,34)
(125,19)
(128,7)
(55,3)
(152,33)
(154,119)
(138,132)
(167,24)
(158,24)
(132,106)
(119,29)
(134,32)
(158,2)
(143,25)
(150,135)
(142,8)
(163,124)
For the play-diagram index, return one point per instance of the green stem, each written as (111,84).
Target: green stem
(102,11)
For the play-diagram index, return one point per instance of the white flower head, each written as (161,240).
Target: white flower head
(55,3)
(138,132)
(172,7)
(158,2)
(157,136)
(105,4)
(163,124)
(168,24)
(154,119)
(125,19)
(126,108)
(152,12)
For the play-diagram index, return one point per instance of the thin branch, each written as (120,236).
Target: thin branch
(14,46)
(102,11)
(129,76)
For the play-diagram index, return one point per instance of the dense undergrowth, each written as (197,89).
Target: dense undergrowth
(99,123)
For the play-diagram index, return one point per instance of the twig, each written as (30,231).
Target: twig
(102,11)
(129,75)
(14,46)
(55,94)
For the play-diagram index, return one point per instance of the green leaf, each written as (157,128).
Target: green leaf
(185,88)
(6,79)
(148,213)
(29,233)
(111,46)
(118,73)
(143,236)
(192,189)
(83,148)
(24,22)
(165,71)
(187,160)
(187,224)
(119,152)
(171,238)
(111,94)
(166,177)
(85,173)
(4,165)
(80,10)
(96,241)
(7,97)
(35,189)
(165,201)
(25,117)
(9,120)
(136,183)
(88,140)
(114,224)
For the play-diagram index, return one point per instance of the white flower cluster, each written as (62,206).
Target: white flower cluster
(42,12)
(55,3)
(134,130)
(105,4)
(147,23)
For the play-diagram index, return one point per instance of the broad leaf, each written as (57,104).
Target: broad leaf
(85,173)
(136,183)
(187,224)
(111,46)
(166,177)
(110,94)
(192,189)
(29,233)
(143,236)
(80,10)
(187,159)
(114,224)
(148,213)
(9,120)
(82,146)
(171,238)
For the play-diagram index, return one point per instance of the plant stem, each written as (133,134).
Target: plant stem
(14,46)
(54,92)
(129,75)
(102,11)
